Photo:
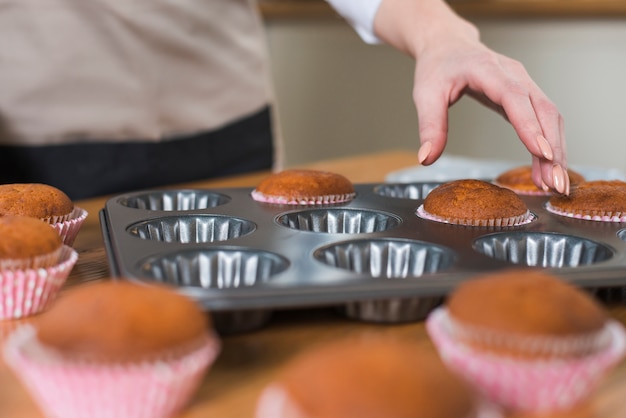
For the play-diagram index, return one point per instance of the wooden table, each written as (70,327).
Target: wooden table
(247,362)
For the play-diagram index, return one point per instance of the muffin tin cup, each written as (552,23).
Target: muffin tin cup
(75,389)
(68,228)
(287,256)
(27,292)
(529,384)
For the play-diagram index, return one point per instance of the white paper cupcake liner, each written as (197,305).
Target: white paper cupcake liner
(525,384)
(25,292)
(502,222)
(312,200)
(603,216)
(68,228)
(65,389)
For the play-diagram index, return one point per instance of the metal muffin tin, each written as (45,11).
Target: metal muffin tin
(373,257)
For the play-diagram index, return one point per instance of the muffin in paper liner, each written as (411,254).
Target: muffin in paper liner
(69,226)
(304,187)
(592,216)
(304,200)
(524,384)
(78,389)
(502,222)
(519,179)
(29,291)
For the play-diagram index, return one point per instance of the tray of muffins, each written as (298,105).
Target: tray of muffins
(387,252)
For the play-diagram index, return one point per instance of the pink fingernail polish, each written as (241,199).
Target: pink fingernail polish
(558,177)
(424,151)
(545,148)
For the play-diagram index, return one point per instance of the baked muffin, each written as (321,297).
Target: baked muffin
(367,377)
(44,202)
(529,340)
(304,187)
(474,203)
(34,264)
(519,179)
(598,200)
(114,349)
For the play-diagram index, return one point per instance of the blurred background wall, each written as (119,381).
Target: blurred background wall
(338,96)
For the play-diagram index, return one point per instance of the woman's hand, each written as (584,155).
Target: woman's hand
(450,62)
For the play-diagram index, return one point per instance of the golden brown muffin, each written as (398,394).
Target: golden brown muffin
(520,180)
(304,187)
(35,200)
(475,202)
(525,304)
(27,242)
(120,321)
(368,377)
(601,199)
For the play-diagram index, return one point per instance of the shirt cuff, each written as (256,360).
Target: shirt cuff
(360,14)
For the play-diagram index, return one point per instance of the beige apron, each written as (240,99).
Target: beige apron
(117,69)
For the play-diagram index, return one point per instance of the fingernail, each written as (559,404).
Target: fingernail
(558,177)
(567,183)
(544,187)
(545,148)
(424,151)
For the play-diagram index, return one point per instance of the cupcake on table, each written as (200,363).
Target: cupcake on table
(44,202)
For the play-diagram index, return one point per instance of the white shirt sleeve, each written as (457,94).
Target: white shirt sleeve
(360,14)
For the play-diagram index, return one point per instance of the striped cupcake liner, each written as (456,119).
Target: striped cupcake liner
(68,227)
(525,384)
(595,216)
(500,222)
(303,200)
(28,291)
(75,389)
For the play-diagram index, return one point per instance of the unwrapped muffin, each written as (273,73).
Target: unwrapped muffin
(519,179)
(529,340)
(474,203)
(304,187)
(598,200)
(44,202)
(34,264)
(369,377)
(114,349)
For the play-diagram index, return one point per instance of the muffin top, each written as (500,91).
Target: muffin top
(374,377)
(593,197)
(35,200)
(23,237)
(122,321)
(527,302)
(303,185)
(474,200)
(520,180)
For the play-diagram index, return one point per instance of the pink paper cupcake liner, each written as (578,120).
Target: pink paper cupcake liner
(527,385)
(313,200)
(502,222)
(25,292)
(68,228)
(66,389)
(604,217)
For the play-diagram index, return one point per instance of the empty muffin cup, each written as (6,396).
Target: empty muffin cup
(542,249)
(413,191)
(388,259)
(192,228)
(174,200)
(339,221)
